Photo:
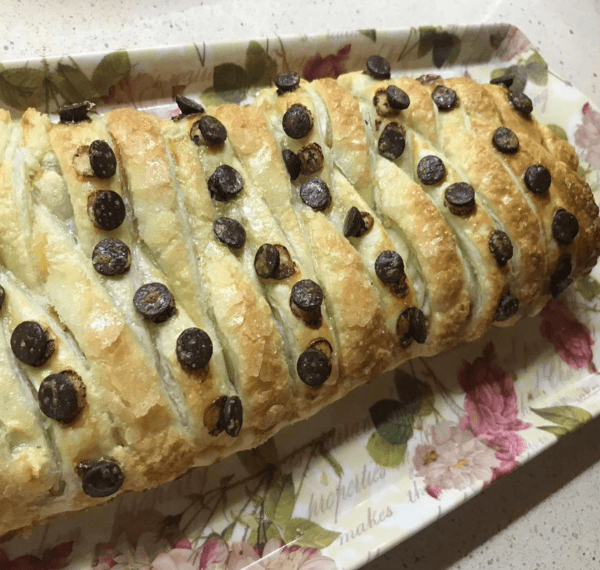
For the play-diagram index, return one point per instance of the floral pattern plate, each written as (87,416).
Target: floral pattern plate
(362,475)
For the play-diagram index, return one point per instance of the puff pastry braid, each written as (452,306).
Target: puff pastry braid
(175,291)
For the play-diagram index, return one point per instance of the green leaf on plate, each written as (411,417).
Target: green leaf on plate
(22,87)
(253,538)
(228,532)
(446,49)
(302,532)
(416,396)
(271,532)
(426,37)
(249,521)
(209,98)
(112,68)
(231,82)
(260,66)
(558,131)
(570,417)
(260,457)
(73,85)
(371,34)
(558,431)
(256,61)
(427,400)
(536,68)
(392,421)
(385,454)
(333,462)
(280,499)
(254,497)
(588,287)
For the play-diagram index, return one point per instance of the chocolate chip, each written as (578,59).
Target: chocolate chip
(460,199)
(315,193)
(378,67)
(266,261)
(354,225)
(210,130)
(428,79)
(307,295)
(155,302)
(102,478)
(287,267)
(76,113)
(411,325)
(230,232)
(505,140)
(232,416)
(501,247)
(194,349)
(2,296)
(224,414)
(62,396)
(391,143)
(292,163)
(102,159)
(520,102)
(382,106)
(311,159)
(538,179)
(431,170)
(444,98)
(561,278)
(565,227)
(390,101)
(508,306)
(297,121)
(397,98)
(111,257)
(106,209)
(188,106)
(313,367)
(225,183)
(389,266)
(286,81)
(31,343)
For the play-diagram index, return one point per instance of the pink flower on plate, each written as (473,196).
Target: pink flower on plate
(572,340)
(587,135)
(276,556)
(52,559)
(514,44)
(105,559)
(214,555)
(491,400)
(508,446)
(242,555)
(328,66)
(176,559)
(491,406)
(454,460)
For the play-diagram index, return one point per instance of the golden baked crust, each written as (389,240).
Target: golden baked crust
(151,415)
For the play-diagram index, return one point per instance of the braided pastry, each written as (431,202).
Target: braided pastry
(175,291)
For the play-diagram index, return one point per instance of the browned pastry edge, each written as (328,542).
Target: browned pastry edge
(157,160)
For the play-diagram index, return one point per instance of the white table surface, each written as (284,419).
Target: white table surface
(547,513)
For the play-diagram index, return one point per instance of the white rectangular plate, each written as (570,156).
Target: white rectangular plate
(364,474)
